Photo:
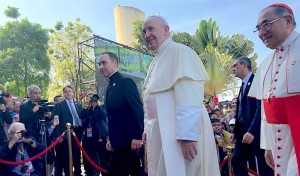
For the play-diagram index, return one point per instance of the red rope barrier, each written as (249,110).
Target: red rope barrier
(34,157)
(86,155)
(223,162)
(248,169)
(252,172)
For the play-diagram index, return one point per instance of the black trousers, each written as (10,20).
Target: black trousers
(62,155)
(96,150)
(243,153)
(124,162)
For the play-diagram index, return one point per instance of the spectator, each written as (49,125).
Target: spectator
(213,115)
(58,98)
(5,118)
(30,112)
(95,136)
(232,112)
(17,105)
(231,125)
(222,138)
(68,111)
(20,147)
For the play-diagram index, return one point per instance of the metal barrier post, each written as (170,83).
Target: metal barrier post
(68,125)
(229,153)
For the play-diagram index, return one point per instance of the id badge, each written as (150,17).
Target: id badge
(89,132)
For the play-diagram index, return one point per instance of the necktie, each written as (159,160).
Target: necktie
(73,114)
(242,90)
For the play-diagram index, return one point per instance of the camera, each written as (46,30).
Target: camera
(4,94)
(24,168)
(45,106)
(25,134)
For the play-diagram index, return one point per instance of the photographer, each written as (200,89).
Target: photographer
(95,136)
(30,112)
(21,147)
(4,118)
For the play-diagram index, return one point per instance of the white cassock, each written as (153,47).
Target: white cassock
(277,84)
(174,110)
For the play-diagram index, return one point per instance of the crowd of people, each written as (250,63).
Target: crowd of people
(169,128)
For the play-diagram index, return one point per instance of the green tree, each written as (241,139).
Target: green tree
(139,35)
(12,12)
(218,70)
(183,38)
(238,45)
(63,53)
(23,55)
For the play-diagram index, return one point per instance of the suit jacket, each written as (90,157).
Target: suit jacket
(65,115)
(30,119)
(249,119)
(125,111)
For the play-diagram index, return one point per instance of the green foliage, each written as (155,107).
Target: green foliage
(183,38)
(12,12)
(63,53)
(238,45)
(23,56)
(59,25)
(218,69)
(139,35)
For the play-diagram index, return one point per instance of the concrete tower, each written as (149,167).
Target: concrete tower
(124,18)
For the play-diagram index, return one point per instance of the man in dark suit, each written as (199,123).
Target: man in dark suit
(95,137)
(125,118)
(247,124)
(31,112)
(68,111)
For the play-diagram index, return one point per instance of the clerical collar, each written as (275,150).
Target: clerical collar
(111,76)
(288,41)
(162,46)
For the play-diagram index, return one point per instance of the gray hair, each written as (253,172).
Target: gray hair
(31,89)
(281,12)
(245,60)
(14,125)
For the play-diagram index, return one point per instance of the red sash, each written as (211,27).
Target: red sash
(286,111)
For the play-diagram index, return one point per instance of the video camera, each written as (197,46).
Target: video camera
(6,94)
(45,106)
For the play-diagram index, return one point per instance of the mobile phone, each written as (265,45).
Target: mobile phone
(56,117)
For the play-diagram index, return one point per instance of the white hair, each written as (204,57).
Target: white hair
(160,18)
(14,125)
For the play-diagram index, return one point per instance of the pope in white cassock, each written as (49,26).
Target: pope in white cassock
(178,131)
(277,84)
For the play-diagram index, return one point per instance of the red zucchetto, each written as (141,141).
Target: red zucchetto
(282,5)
